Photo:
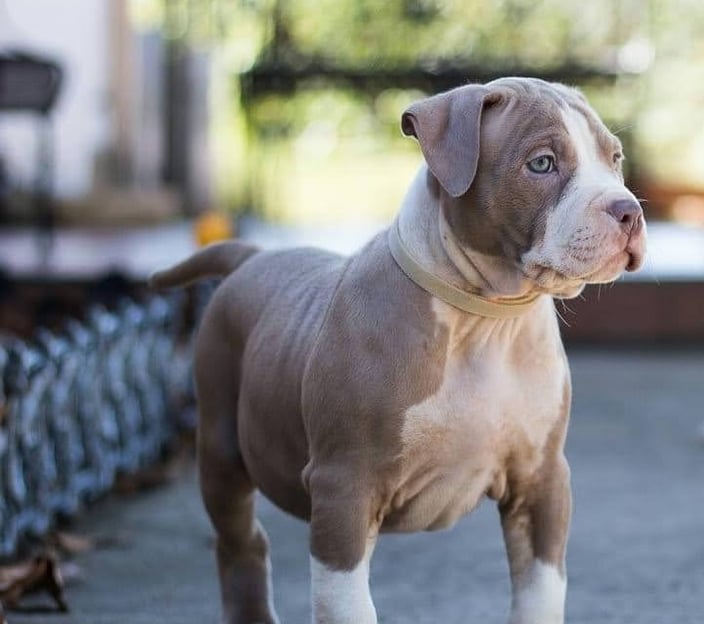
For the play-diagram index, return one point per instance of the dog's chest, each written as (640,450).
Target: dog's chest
(491,394)
(493,413)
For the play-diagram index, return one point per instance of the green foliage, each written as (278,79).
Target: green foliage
(403,31)
(295,149)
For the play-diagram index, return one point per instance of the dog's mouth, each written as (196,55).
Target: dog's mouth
(633,262)
(612,269)
(551,278)
(559,283)
(630,259)
(635,247)
(589,258)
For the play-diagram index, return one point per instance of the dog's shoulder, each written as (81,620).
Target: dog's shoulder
(378,351)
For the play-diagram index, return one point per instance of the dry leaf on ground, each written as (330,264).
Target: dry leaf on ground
(38,574)
(71,544)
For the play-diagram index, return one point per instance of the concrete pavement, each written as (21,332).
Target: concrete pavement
(636,550)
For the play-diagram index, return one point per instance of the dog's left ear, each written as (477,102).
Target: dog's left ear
(447,127)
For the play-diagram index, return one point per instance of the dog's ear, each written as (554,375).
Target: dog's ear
(447,127)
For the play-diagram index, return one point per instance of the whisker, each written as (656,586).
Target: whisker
(566,307)
(561,317)
(628,127)
(649,270)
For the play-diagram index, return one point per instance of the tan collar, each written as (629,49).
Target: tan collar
(461,299)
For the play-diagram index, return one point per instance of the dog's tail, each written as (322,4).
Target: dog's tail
(216,260)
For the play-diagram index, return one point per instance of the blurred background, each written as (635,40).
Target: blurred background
(284,115)
(268,107)
(132,131)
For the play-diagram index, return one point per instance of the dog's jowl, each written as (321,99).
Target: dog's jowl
(394,389)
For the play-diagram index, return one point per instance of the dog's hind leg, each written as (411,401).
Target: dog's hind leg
(227,490)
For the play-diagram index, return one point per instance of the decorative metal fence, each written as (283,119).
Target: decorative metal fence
(80,407)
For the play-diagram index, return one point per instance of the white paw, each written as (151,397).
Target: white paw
(341,597)
(540,596)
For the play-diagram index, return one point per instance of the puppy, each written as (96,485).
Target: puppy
(393,390)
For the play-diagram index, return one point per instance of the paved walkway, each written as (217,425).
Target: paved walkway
(636,552)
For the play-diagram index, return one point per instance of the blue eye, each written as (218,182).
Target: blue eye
(542,164)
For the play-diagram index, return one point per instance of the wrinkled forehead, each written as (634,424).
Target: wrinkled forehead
(529,111)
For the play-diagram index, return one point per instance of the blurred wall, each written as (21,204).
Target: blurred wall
(76,34)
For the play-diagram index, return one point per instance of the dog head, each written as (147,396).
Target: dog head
(528,173)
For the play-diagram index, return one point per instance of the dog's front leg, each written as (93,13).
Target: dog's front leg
(535,525)
(341,545)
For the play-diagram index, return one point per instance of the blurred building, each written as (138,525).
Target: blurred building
(130,130)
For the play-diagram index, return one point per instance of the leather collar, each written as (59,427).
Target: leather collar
(461,299)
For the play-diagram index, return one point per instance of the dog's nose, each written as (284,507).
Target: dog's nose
(626,212)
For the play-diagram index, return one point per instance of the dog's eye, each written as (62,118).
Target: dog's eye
(618,157)
(542,164)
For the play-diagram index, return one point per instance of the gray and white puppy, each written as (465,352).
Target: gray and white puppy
(356,399)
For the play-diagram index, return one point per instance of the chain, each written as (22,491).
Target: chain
(81,407)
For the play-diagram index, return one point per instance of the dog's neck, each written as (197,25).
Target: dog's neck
(425,231)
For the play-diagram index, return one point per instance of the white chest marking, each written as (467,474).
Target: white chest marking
(342,597)
(540,597)
(480,391)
